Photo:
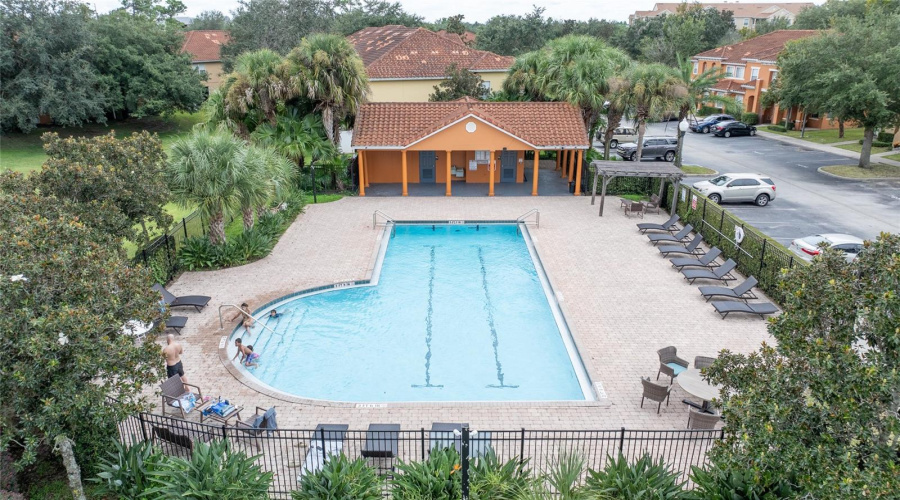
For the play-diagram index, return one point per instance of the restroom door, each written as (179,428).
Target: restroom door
(427,161)
(508,164)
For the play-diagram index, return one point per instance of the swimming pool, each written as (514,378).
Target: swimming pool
(460,312)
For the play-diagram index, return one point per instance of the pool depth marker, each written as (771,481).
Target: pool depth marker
(495,341)
(428,324)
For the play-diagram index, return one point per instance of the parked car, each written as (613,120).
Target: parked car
(728,129)
(620,135)
(705,125)
(737,188)
(807,248)
(654,147)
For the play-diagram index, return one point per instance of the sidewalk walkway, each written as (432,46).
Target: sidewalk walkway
(828,148)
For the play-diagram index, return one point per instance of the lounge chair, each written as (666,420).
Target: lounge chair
(669,363)
(721,273)
(743,291)
(444,435)
(180,433)
(702,420)
(668,225)
(382,441)
(176,392)
(708,260)
(652,205)
(725,307)
(655,392)
(176,323)
(635,207)
(327,441)
(198,302)
(682,235)
(692,248)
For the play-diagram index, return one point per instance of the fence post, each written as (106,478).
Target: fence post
(522,447)
(762,256)
(621,441)
(184,225)
(322,440)
(704,209)
(791,263)
(721,224)
(141,422)
(465,463)
(423,444)
(225,434)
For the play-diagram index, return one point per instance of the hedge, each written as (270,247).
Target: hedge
(885,137)
(750,118)
(776,128)
(878,144)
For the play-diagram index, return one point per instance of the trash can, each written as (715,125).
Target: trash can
(572,187)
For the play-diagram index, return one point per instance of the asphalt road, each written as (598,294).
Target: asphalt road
(809,202)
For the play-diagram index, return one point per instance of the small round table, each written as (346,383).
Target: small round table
(136,328)
(692,382)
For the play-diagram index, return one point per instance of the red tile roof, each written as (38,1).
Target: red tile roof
(761,48)
(399,124)
(727,85)
(401,52)
(204,45)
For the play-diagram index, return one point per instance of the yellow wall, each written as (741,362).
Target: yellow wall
(419,90)
(215,74)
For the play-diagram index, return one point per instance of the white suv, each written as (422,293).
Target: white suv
(738,187)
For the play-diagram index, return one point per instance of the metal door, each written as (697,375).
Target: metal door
(508,164)
(427,161)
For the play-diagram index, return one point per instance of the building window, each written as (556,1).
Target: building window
(485,89)
(739,99)
(200,68)
(734,72)
(746,21)
(754,74)
(482,156)
(773,75)
(696,67)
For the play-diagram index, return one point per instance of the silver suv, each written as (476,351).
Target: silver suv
(654,147)
(738,187)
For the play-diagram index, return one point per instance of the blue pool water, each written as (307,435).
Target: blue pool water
(459,314)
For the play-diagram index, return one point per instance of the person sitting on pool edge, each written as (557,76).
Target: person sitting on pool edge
(242,350)
(252,359)
(247,316)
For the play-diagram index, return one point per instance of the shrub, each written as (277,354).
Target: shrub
(707,110)
(125,474)
(340,478)
(776,128)
(718,484)
(878,144)
(790,126)
(437,478)
(644,479)
(750,118)
(197,253)
(491,479)
(269,225)
(885,137)
(251,245)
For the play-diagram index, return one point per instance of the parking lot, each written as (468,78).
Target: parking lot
(809,202)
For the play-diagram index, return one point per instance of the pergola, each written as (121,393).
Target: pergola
(609,170)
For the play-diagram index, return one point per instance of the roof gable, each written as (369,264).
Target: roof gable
(204,45)
(762,48)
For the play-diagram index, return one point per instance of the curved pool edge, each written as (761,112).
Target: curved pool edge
(596,397)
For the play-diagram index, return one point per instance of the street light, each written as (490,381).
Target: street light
(682,129)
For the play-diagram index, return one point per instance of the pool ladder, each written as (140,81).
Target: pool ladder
(522,218)
(387,220)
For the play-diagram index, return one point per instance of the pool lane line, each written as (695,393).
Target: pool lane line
(495,341)
(428,323)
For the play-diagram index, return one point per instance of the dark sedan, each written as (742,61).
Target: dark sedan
(706,125)
(728,129)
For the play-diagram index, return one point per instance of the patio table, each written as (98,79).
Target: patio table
(692,382)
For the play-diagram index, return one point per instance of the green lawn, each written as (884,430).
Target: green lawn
(892,157)
(697,170)
(877,170)
(25,152)
(821,136)
(858,148)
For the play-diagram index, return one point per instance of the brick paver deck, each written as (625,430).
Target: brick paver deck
(622,302)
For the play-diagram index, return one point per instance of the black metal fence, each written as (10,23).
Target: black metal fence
(161,254)
(290,454)
(756,254)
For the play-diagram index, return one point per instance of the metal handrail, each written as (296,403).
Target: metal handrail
(222,324)
(385,216)
(533,211)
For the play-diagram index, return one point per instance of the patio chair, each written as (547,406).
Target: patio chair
(176,323)
(327,441)
(263,421)
(743,291)
(681,236)
(701,420)
(669,363)
(701,362)
(721,273)
(382,441)
(180,433)
(655,392)
(635,207)
(175,394)
(668,225)
(198,302)
(692,248)
(652,205)
(708,260)
(726,307)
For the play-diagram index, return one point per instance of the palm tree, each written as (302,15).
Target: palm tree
(301,139)
(206,170)
(267,175)
(258,85)
(653,89)
(327,70)
(616,106)
(696,90)
(521,80)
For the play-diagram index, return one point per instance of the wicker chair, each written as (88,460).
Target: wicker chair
(701,362)
(669,363)
(635,207)
(700,420)
(655,392)
(652,205)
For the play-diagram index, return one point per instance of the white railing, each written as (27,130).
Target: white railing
(537,217)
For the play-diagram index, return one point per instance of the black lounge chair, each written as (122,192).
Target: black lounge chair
(725,307)
(176,323)
(444,435)
(692,248)
(707,260)
(327,441)
(721,273)
(743,291)
(668,225)
(196,301)
(382,441)
(681,236)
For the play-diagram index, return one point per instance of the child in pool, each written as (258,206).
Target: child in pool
(252,358)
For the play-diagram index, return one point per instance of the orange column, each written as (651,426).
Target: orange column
(448,173)
(534,181)
(367,174)
(578,174)
(403,166)
(571,165)
(362,173)
(491,174)
(562,166)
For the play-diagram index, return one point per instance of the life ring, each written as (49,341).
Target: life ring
(738,234)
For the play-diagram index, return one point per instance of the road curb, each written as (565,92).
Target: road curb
(829,174)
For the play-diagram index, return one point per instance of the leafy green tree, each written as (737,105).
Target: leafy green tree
(66,293)
(764,26)
(512,35)
(154,9)
(822,17)
(126,175)
(651,91)
(47,75)
(210,20)
(354,15)
(326,70)
(142,67)
(454,24)
(600,28)
(691,30)
(819,406)
(459,83)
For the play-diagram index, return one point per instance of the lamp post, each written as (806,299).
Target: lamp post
(682,129)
